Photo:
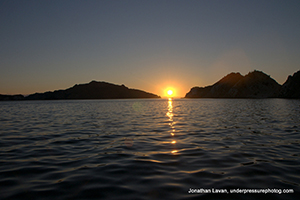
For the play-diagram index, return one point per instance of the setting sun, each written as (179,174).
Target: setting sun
(169,92)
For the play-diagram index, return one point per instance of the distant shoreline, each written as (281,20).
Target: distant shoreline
(254,85)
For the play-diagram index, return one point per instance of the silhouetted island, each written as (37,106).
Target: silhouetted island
(92,90)
(255,84)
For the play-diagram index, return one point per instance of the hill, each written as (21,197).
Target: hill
(93,90)
(255,84)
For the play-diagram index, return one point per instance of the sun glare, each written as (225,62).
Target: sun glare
(169,92)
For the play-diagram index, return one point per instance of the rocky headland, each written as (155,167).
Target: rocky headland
(255,84)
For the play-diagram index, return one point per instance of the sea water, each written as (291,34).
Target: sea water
(150,149)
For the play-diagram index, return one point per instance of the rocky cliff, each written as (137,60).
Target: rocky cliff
(93,90)
(255,84)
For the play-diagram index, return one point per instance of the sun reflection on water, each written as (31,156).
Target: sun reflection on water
(171,123)
(170,111)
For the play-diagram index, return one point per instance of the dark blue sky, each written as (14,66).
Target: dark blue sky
(149,45)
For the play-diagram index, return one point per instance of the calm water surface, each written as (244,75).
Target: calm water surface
(149,149)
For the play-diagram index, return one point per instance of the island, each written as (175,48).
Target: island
(92,90)
(255,84)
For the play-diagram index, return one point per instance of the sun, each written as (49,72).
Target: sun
(170,92)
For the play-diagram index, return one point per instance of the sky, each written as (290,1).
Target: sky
(149,45)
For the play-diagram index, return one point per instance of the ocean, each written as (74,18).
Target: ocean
(150,149)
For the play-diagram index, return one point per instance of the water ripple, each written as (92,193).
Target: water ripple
(148,149)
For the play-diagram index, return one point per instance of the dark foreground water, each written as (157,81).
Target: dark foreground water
(150,149)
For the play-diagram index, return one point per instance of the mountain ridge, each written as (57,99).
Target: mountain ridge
(91,90)
(255,84)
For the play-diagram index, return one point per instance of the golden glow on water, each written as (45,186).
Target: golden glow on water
(170,115)
(170,111)
(171,124)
